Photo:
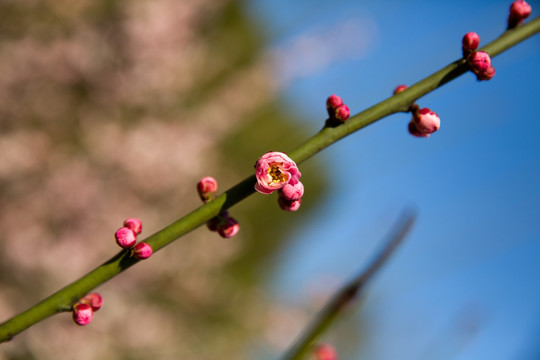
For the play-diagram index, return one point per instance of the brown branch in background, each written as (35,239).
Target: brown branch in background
(352,290)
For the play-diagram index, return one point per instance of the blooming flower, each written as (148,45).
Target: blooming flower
(274,170)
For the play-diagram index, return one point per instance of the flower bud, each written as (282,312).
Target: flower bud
(470,42)
(426,121)
(479,61)
(342,113)
(332,103)
(228,227)
(125,237)
(142,251)
(292,192)
(413,130)
(289,205)
(82,314)
(519,11)
(399,89)
(93,299)
(133,224)
(486,75)
(207,188)
(325,352)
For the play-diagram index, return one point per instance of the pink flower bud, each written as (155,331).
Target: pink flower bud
(519,11)
(82,314)
(93,299)
(289,205)
(332,103)
(342,113)
(486,75)
(125,237)
(207,188)
(426,121)
(273,171)
(325,352)
(228,228)
(142,251)
(470,42)
(479,61)
(399,89)
(133,224)
(213,223)
(414,131)
(292,192)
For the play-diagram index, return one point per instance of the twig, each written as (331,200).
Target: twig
(351,291)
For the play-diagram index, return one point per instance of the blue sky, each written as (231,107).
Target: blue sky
(472,257)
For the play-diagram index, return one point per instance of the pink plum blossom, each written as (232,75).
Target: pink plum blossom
(82,314)
(274,170)
(134,224)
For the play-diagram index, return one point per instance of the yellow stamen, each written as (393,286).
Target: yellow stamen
(276,174)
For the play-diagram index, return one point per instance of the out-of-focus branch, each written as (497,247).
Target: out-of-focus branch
(63,299)
(351,291)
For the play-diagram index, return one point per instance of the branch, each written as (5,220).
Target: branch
(63,299)
(351,291)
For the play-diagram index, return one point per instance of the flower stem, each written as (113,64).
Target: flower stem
(66,297)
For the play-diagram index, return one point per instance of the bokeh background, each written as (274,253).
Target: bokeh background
(115,109)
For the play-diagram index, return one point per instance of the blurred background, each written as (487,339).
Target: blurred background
(115,109)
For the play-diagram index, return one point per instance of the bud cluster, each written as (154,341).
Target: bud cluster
(479,61)
(337,110)
(126,237)
(83,310)
(225,225)
(275,171)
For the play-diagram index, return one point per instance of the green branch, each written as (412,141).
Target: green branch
(63,299)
